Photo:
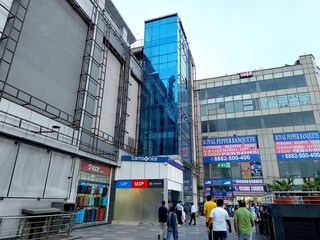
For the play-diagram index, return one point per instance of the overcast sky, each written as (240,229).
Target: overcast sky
(233,36)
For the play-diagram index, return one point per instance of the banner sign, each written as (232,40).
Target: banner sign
(251,169)
(158,183)
(248,186)
(218,182)
(230,149)
(140,183)
(154,159)
(94,168)
(297,145)
(123,184)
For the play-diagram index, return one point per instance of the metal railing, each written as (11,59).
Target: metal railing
(56,226)
(292,197)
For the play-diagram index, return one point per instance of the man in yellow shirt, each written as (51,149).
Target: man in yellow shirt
(207,207)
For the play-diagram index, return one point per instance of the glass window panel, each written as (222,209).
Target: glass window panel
(284,169)
(308,118)
(298,72)
(268,76)
(288,74)
(203,110)
(251,123)
(281,83)
(163,49)
(277,75)
(259,78)
(238,106)
(272,121)
(293,100)
(213,126)
(202,94)
(295,169)
(304,98)
(222,125)
(235,170)
(266,85)
(286,119)
(240,124)
(297,119)
(204,127)
(229,107)
(316,165)
(263,103)
(283,101)
(273,102)
(231,124)
(307,168)
(251,87)
(300,81)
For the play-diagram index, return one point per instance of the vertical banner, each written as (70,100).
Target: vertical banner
(230,149)
(297,145)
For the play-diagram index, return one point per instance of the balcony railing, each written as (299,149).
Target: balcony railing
(292,197)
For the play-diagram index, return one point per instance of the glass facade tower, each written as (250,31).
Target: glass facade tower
(166,125)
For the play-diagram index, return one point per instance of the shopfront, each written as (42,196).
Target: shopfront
(93,193)
(142,183)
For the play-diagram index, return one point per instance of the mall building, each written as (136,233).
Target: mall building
(258,126)
(85,119)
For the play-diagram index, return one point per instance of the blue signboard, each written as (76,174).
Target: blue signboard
(230,149)
(297,145)
(123,184)
(217,182)
(157,159)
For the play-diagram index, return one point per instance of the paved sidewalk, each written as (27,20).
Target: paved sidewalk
(147,231)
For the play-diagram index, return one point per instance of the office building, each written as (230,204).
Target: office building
(259,126)
(166,164)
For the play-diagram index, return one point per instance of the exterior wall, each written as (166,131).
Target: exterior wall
(49,54)
(133,115)
(32,176)
(299,112)
(108,115)
(4,11)
(41,164)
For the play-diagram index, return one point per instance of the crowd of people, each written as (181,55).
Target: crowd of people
(169,219)
(217,219)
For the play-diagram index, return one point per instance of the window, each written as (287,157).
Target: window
(204,127)
(308,118)
(266,85)
(297,119)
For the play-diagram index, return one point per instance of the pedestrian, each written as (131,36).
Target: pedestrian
(162,218)
(243,222)
(172,224)
(207,207)
(193,214)
(219,218)
(179,209)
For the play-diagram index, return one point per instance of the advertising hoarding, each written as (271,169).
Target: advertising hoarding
(230,149)
(297,145)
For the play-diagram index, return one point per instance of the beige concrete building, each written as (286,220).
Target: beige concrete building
(258,126)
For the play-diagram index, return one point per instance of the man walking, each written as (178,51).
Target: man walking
(207,207)
(179,209)
(162,218)
(193,214)
(219,218)
(172,224)
(243,222)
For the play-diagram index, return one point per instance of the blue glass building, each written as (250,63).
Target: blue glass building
(166,97)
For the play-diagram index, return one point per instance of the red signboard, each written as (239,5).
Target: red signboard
(95,168)
(246,75)
(139,183)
